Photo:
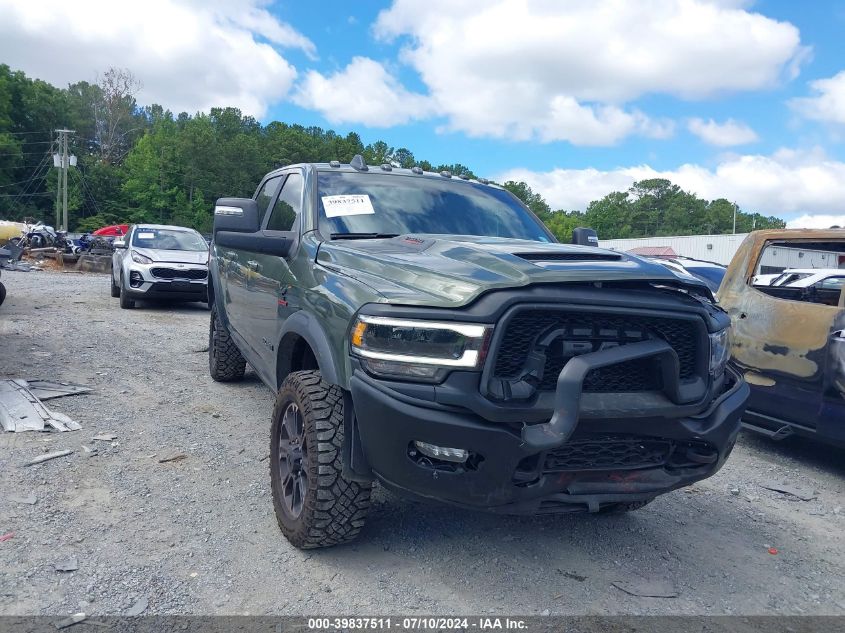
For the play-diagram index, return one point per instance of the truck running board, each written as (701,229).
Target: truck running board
(780,434)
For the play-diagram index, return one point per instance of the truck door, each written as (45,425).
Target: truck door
(234,271)
(789,341)
(270,283)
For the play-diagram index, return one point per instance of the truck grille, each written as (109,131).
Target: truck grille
(608,452)
(175,273)
(592,331)
(621,452)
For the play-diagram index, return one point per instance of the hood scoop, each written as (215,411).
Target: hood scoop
(569,257)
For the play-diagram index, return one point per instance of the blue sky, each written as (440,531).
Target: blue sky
(343,30)
(741,99)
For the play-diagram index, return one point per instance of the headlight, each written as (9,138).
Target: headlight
(140,259)
(418,350)
(720,351)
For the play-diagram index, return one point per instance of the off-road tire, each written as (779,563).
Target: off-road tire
(620,508)
(125,302)
(225,363)
(115,289)
(334,509)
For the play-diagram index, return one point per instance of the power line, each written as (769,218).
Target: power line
(38,175)
(12,184)
(25,195)
(46,132)
(87,190)
(22,153)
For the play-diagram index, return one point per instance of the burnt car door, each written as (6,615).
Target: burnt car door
(789,342)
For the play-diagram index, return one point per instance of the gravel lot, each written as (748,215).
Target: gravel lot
(198,535)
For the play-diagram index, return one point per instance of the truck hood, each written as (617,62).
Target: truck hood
(453,271)
(179,257)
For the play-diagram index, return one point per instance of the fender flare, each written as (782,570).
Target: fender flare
(214,291)
(305,325)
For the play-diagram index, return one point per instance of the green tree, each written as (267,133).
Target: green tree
(145,164)
(532,200)
(611,216)
(562,223)
(378,153)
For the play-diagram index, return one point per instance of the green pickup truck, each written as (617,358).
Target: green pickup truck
(428,332)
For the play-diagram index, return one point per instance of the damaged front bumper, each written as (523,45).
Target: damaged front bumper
(561,465)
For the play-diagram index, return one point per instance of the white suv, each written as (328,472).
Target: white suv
(160,262)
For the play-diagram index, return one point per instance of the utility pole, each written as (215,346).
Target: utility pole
(734,218)
(58,188)
(62,161)
(64,185)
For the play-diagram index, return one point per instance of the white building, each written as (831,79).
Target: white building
(719,249)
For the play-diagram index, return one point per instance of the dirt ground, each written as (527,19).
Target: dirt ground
(197,535)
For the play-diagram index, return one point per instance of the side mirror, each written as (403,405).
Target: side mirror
(238,215)
(585,237)
(119,244)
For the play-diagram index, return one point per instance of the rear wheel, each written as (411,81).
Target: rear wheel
(225,362)
(314,504)
(125,302)
(2,293)
(115,289)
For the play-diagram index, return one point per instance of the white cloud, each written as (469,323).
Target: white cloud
(784,183)
(829,103)
(550,70)
(807,221)
(363,92)
(189,55)
(724,134)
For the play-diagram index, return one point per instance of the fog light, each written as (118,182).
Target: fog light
(135,279)
(458,455)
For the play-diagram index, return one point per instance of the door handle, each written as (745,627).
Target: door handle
(253,265)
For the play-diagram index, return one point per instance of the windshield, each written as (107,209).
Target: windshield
(169,240)
(394,205)
(788,278)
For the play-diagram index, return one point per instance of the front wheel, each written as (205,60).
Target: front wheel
(125,302)
(314,504)
(115,289)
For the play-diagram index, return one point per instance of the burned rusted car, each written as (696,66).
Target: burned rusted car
(790,341)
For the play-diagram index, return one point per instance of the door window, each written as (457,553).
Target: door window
(288,205)
(814,258)
(831,283)
(267,193)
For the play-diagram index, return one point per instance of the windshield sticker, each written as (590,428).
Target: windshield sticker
(146,236)
(339,206)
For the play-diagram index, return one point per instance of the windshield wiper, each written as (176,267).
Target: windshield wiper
(363,236)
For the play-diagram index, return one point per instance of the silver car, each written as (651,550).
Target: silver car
(155,261)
